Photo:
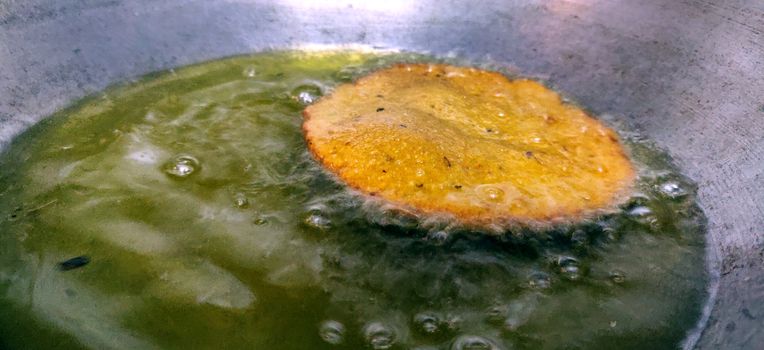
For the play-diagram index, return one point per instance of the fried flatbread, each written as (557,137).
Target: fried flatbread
(470,143)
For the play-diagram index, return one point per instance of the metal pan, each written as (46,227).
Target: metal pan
(689,74)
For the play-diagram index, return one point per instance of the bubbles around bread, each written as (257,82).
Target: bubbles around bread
(469,144)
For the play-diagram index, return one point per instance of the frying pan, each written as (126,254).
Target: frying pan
(688,74)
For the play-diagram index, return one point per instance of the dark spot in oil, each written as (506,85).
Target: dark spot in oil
(389,158)
(458,187)
(380,109)
(74,263)
(489,130)
(403,126)
(528,154)
(448,162)
(384,171)
(438,75)
(380,96)
(419,185)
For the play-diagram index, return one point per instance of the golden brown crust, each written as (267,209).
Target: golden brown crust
(469,143)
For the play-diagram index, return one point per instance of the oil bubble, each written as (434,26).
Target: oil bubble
(348,73)
(317,217)
(644,216)
(496,314)
(306,94)
(379,335)
(617,276)
(637,200)
(181,166)
(640,211)
(427,323)
(332,332)
(569,267)
(473,342)
(438,237)
(249,72)
(260,221)
(672,190)
(318,220)
(539,280)
(240,201)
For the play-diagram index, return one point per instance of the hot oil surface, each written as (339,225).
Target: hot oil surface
(208,225)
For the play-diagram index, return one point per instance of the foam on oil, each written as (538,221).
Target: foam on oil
(208,225)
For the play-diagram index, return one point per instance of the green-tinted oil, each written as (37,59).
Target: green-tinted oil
(209,226)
